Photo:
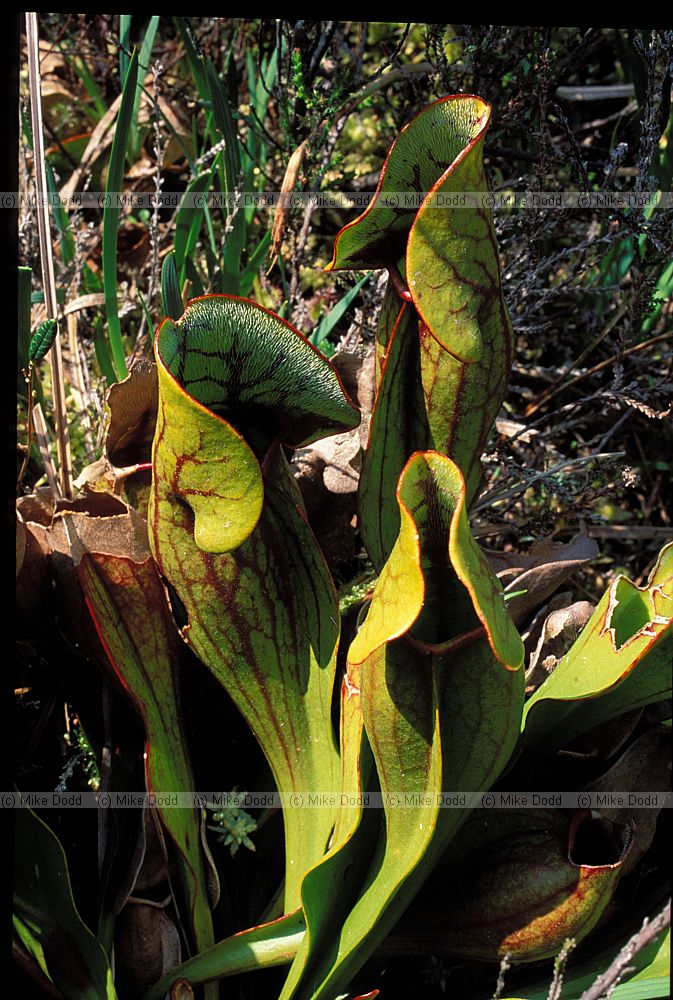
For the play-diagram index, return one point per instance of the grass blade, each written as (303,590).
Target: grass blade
(224,122)
(60,218)
(193,58)
(102,352)
(184,221)
(25,281)
(144,65)
(195,278)
(89,84)
(170,288)
(148,315)
(124,44)
(254,263)
(111,218)
(328,322)
(226,126)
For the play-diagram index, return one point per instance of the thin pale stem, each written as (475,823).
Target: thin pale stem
(64,481)
(41,434)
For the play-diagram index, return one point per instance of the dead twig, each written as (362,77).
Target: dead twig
(505,965)
(605,364)
(283,210)
(567,465)
(554,389)
(630,531)
(649,932)
(596,92)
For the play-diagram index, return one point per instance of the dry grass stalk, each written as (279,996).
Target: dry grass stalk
(48,279)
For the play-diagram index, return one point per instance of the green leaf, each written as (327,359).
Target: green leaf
(195,278)
(144,65)
(254,264)
(124,44)
(127,602)
(60,218)
(662,294)
(170,288)
(111,216)
(195,64)
(25,277)
(455,374)
(263,947)
(229,533)
(334,316)
(188,222)
(102,351)
(330,889)
(254,152)
(226,126)
(31,943)
(419,699)
(622,660)
(145,308)
(44,904)
(42,340)
(93,90)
